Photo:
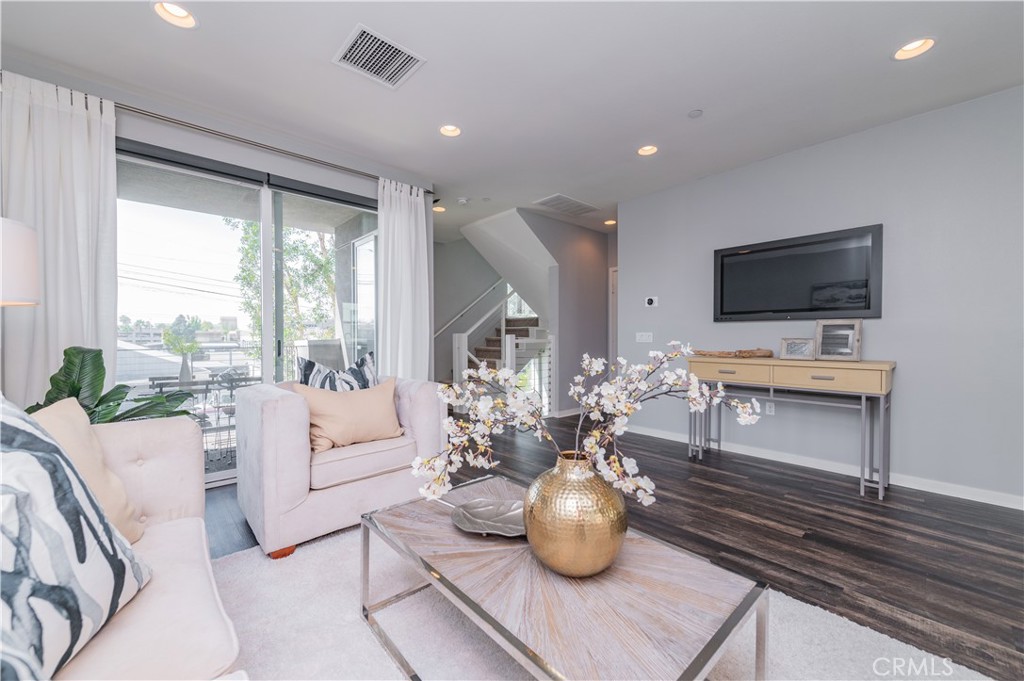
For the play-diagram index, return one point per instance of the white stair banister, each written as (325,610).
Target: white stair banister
(460,355)
(508,351)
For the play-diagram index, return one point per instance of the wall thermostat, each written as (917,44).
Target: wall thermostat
(651,301)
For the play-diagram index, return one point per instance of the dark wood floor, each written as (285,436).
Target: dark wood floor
(940,573)
(226,527)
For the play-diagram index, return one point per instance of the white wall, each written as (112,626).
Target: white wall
(461,274)
(511,248)
(581,295)
(948,187)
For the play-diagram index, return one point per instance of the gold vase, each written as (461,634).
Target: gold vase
(575,520)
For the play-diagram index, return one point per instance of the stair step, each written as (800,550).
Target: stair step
(487,353)
(517,331)
(522,321)
(493,341)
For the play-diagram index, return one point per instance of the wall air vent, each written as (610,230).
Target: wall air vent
(377,58)
(565,204)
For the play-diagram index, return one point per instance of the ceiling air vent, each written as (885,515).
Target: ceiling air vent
(377,57)
(564,204)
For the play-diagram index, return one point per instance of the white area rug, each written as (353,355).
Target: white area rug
(299,618)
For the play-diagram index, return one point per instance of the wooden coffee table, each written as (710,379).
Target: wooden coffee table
(658,612)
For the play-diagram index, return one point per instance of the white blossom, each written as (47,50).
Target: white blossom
(495,405)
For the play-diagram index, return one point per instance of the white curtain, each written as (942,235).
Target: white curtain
(404,281)
(58,171)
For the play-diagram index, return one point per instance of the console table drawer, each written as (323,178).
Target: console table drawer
(833,379)
(727,372)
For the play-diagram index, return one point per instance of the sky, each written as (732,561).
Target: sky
(172,262)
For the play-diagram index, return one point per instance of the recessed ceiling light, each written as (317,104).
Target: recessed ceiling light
(610,222)
(914,49)
(647,150)
(175,15)
(450,130)
(439,209)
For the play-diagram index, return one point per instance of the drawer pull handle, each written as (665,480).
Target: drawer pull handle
(727,371)
(823,378)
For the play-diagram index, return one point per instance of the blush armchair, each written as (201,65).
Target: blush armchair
(290,495)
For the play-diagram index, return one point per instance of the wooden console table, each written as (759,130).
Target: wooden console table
(866,386)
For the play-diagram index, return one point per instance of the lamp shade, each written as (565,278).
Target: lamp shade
(19,278)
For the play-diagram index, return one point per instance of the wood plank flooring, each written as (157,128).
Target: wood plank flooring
(226,527)
(940,573)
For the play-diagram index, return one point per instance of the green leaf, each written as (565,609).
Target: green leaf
(155,406)
(108,405)
(80,376)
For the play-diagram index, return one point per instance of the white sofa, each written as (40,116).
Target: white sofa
(176,627)
(290,495)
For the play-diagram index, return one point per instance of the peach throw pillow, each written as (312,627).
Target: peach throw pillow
(338,419)
(69,425)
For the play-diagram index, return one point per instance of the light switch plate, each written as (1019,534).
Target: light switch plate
(644,337)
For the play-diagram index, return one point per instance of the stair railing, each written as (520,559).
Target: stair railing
(469,307)
(461,354)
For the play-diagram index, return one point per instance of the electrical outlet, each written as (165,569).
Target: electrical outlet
(644,337)
(769,409)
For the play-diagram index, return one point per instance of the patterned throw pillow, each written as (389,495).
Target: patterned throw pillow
(65,569)
(362,374)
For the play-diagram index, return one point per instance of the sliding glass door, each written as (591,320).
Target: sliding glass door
(188,274)
(224,283)
(323,282)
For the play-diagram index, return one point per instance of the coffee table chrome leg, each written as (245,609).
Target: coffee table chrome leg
(760,655)
(368,609)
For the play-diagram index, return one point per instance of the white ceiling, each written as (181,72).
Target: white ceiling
(551,97)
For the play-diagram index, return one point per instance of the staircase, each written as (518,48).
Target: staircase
(520,327)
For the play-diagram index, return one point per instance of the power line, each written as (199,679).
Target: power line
(178,286)
(174,272)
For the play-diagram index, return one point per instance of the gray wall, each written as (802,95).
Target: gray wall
(581,292)
(613,249)
(460,275)
(947,186)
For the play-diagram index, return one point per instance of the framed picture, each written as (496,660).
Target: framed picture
(797,348)
(838,339)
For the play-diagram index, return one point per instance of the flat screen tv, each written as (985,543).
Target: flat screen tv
(821,276)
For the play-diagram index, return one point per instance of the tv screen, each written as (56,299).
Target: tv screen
(821,276)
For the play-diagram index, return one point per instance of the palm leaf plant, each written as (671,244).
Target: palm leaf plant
(81,376)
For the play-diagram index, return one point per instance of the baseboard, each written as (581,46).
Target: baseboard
(564,413)
(924,484)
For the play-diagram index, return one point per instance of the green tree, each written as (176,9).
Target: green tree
(309,300)
(180,338)
(125,324)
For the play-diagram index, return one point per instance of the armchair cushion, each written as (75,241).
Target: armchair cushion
(68,424)
(347,464)
(339,419)
(362,374)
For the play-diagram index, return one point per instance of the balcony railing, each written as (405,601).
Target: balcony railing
(218,370)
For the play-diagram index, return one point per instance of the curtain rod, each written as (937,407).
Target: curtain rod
(249,142)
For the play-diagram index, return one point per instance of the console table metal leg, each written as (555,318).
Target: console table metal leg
(719,409)
(863,442)
(760,655)
(884,405)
